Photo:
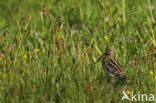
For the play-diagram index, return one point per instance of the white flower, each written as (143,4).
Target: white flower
(106,19)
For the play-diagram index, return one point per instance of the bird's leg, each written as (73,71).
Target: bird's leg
(107,79)
(119,83)
(116,83)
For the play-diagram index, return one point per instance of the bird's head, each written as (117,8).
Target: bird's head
(109,51)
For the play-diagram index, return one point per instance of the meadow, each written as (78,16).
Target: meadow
(48,49)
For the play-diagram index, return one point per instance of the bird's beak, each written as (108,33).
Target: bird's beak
(99,58)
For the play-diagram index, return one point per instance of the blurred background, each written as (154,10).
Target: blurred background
(48,49)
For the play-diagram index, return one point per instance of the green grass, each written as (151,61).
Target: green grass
(70,36)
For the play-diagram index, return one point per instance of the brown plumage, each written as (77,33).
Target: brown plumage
(111,66)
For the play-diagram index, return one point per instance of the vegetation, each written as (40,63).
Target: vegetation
(48,49)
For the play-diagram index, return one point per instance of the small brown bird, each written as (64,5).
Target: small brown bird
(111,66)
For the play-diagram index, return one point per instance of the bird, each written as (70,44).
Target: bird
(111,66)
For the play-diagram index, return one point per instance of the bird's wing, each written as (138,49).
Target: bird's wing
(115,68)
